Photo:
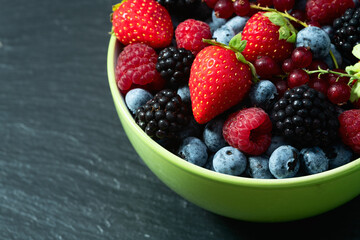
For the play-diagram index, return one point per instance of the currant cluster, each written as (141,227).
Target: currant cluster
(226,8)
(294,70)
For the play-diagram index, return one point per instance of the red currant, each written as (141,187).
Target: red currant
(210,3)
(339,93)
(265,3)
(224,9)
(356,104)
(333,78)
(283,5)
(287,65)
(301,57)
(241,7)
(319,84)
(266,67)
(297,77)
(300,15)
(281,87)
(316,63)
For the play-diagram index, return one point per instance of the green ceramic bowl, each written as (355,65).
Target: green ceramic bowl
(259,200)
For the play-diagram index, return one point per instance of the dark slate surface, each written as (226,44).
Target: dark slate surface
(67,170)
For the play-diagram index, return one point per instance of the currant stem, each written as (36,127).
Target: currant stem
(322,71)
(284,14)
(333,59)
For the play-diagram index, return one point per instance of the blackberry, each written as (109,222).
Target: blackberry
(162,116)
(347,32)
(174,66)
(305,117)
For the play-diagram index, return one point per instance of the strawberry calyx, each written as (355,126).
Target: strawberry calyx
(236,45)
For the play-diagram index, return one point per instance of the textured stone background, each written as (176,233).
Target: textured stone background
(67,170)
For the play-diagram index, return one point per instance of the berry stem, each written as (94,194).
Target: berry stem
(284,14)
(334,59)
(322,71)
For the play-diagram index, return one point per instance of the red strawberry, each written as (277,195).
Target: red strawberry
(350,129)
(325,11)
(262,38)
(217,82)
(248,130)
(144,21)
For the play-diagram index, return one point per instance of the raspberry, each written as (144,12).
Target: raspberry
(136,68)
(325,11)
(350,129)
(248,130)
(190,33)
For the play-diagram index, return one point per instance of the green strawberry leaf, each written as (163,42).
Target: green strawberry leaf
(241,57)
(356,51)
(276,18)
(286,30)
(354,70)
(355,92)
(237,44)
(292,38)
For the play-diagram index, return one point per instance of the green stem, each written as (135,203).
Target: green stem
(334,59)
(322,71)
(286,14)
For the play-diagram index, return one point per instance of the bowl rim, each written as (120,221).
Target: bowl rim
(300,181)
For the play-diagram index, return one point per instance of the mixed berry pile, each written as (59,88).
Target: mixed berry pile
(262,89)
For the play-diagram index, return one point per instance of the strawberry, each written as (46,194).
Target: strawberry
(264,39)
(142,21)
(218,81)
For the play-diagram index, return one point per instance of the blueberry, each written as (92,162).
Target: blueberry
(357,3)
(193,150)
(259,167)
(209,163)
(328,59)
(237,23)
(216,22)
(263,94)
(229,160)
(339,154)
(184,93)
(329,30)
(223,34)
(276,141)
(193,129)
(284,162)
(136,98)
(212,135)
(314,160)
(315,38)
